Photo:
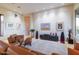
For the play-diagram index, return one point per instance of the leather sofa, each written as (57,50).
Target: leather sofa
(45,36)
(18,50)
(11,49)
(48,37)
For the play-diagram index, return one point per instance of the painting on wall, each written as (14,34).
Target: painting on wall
(13,26)
(9,26)
(45,26)
(59,26)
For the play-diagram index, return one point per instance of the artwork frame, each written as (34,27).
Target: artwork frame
(12,26)
(60,26)
(45,26)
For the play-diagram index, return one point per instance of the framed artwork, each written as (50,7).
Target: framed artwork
(59,26)
(12,26)
(9,26)
(45,26)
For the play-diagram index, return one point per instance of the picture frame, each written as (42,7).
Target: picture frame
(45,26)
(9,26)
(12,26)
(60,26)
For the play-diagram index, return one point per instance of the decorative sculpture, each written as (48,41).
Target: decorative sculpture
(62,38)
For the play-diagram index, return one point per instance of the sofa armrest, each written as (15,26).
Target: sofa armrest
(73,51)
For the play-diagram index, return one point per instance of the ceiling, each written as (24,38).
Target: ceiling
(27,8)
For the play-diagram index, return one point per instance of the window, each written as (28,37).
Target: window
(77,25)
(1,24)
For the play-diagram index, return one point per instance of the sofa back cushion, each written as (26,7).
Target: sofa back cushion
(11,38)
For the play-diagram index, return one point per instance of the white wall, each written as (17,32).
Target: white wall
(9,18)
(53,16)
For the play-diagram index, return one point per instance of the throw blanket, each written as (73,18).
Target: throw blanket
(47,47)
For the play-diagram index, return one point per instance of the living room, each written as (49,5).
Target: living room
(38,29)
